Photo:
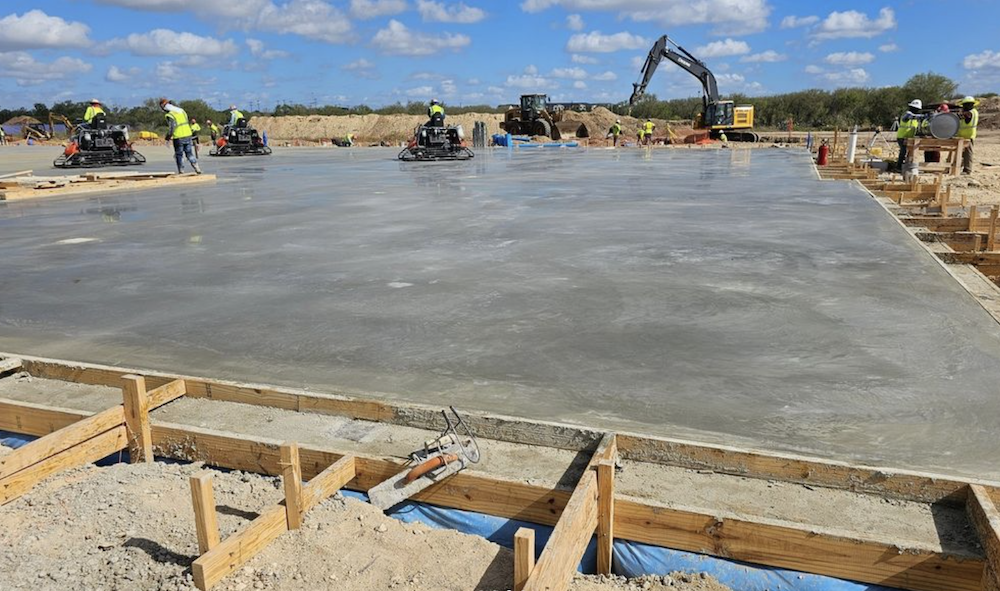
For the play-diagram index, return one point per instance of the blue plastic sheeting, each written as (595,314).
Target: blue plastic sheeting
(631,559)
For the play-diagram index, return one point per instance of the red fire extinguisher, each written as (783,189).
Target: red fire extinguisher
(824,154)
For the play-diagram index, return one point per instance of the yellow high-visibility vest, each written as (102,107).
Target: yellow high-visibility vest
(182,128)
(908,126)
(649,127)
(434,109)
(967,129)
(91,113)
(616,129)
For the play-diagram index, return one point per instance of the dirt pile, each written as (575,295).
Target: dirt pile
(989,113)
(366,128)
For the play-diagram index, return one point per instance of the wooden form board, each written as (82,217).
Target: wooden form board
(986,519)
(760,541)
(890,483)
(73,186)
(214,565)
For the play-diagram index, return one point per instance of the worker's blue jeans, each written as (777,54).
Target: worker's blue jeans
(184,147)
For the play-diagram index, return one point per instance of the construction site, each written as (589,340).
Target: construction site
(540,349)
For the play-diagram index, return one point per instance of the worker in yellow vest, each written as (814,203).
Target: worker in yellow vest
(647,131)
(615,131)
(435,114)
(234,116)
(908,125)
(968,121)
(93,110)
(213,129)
(180,134)
(195,140)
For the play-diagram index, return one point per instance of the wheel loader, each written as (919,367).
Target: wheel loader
(533,117)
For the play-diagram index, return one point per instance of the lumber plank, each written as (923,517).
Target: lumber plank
(166,393)
(93,449)
(205,519)
(562,554)
(984,516)
(524,556)
(61,440)
(328,482)
(36,419)
(605,515)
(291,479)
(237,549)
(140,440)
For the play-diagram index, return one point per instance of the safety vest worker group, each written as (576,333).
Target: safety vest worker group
(182,128)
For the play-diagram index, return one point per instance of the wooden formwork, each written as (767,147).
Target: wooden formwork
(590,508)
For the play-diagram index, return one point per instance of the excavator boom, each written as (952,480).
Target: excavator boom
(683,58)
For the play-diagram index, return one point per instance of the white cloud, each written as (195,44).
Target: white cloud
(361,68)
(982,61)
(888,48)
(583,59)
(419,92)
(37,30)
(595,42)
(431,11)
(794,22)
(425,76)
(579,84)
(730,17)
(765,57)
(572,73)
(118,75)
(605,76)
(854,24)
(531,69)
(25,70)
(849,58)
(229,10)
(852,77)
(473,82)
(365,9)
(257,50)
(312,19)
(449,88)
(531,82)
(726,48)
(163,42)
(812,69)
(397,39)
(574,22)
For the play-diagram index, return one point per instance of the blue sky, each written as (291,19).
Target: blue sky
(475,51)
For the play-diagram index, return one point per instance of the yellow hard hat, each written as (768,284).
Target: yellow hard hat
(970,99)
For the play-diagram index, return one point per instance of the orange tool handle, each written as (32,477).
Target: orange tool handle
(431,464)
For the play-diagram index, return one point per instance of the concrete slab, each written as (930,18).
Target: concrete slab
(722,295)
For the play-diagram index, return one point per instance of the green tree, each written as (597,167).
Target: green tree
(930,88)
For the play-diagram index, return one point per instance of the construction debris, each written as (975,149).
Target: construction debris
(26,185)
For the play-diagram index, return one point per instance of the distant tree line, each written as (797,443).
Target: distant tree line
(807,109)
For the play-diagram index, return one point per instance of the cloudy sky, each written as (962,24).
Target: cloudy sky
(475,51)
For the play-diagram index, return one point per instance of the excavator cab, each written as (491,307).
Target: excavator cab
(532,105)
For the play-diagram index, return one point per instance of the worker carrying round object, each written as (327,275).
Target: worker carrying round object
(435,114)
(967,126)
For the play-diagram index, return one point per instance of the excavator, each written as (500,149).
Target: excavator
(717,116)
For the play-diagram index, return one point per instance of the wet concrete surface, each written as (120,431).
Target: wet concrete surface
(723,296)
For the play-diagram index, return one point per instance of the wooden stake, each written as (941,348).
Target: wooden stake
(524,556)
(973,214)
(605,515)
(291,477)
(991,237)
(140,440)
(205,521)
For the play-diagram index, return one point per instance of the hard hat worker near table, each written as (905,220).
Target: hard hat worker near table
(968,121)
(908,125)
(180,133)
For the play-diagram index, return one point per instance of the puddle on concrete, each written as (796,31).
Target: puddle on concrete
(719,295)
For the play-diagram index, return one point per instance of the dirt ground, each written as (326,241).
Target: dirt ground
(673,581)
(131,526)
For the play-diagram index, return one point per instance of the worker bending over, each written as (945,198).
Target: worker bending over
(180,133)
(908,125)
(435,114)
(968,121)
(213,129)
(615,131)
(93,110)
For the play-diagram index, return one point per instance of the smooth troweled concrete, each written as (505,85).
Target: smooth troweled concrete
(722,295)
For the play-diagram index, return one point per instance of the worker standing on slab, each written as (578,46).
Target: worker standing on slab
(615,131)
(93,110)
(195,140)
(968,121)
(180,133)
(647,131)
(235,115)
(435,114)
(213,130)
(908,125)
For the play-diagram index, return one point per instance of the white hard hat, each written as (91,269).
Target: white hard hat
(969,99)
(232,107)
(618,120)
(917,104)
(95,101)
